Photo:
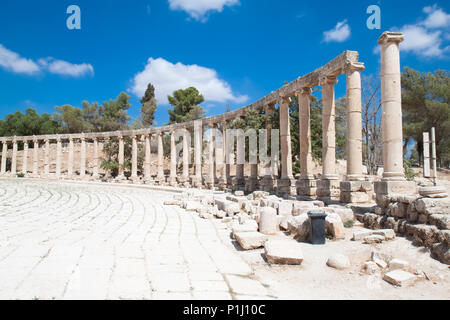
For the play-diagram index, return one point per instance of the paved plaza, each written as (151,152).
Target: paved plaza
(80,241)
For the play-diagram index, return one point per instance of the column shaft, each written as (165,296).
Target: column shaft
(121,158)
(285,139)
(83,158)
(328,129)
(173,159)
(134,154)
(14,158)
(58,158)
(47,157)
(147,162)
(25,157)
(35,158)
(186,145)
(304,109)
(70,161)
(4,156)
(95,160)
(161,177)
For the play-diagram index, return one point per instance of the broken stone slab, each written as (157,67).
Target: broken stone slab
(399,278)
(395,264)
(300,227)
(260,195)
(334,226)
(359,235)
(239,193)
(442,221)
(345,214)
(268,220)
(375,238)
(283,252)
(250,240)
(192,205)
(370,267)
(172,203)
(338,261)
(243,228)
(285,208)
(433,206)
(232,208)
(283,222)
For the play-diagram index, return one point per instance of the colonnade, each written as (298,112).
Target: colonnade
(327,186)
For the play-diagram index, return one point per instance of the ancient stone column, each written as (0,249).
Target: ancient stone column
(83,158)
(25,157)
(4,156)
(391,99)
(328,186)
(160,178)
(238,182)
(223,178)
(58,158)
(186,145)
(47,158)
(95,174)
(147,161)
(198,135)
(328,129)
(211,163)
(70,160)
(173,159)
(269,180)
(121,159)
(14,158)
(35,157)
(393,181)
(306,186)
(354,122)
(286,184)
(134,155)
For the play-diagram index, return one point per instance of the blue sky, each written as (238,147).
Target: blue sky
(234,51)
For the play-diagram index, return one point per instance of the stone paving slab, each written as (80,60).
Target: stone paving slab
(63,240)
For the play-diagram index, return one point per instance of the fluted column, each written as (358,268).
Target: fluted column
(47,158)
(25,157)
(285,139)
(70,160)
(121,159)
(14,158)
(83,158)
(147,161)
(134,154)
(35,157)
(328,129)
(354,122)
(304,109)
(4,156)
(211,163)
(186,145)
(58,158)
(391,99)
(95,174)
(173,160)
(160,178)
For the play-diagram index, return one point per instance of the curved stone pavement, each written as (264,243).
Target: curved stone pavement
(79,241)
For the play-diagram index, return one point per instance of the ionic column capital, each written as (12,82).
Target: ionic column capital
(354,66)
(285,99)
(388,37)
(305,91)
(328,80)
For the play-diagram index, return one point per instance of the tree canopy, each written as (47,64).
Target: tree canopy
(186,106)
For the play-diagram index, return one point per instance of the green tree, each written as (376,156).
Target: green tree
(114,113)
(186,106)
(148,108)
(426,104)
(70,119)
(91,113)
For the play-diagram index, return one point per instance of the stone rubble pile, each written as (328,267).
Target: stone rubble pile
(425,220)
(252,219)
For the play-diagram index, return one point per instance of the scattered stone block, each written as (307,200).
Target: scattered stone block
(334,226)
(371,267)
(395,264)
(268,220)
(172,203)
(361,234)
(239,193)
(285,208)
(399,278)
(250,240)
(192,206)
(283,252)
(338,261)
(388,234)
(300,227)
(375,238)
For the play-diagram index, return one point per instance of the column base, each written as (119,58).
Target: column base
(161,180)
(385,189)
(251,184)
(196,182)
(173,181)
(135,179)
(238,184)
(222,183)
(268,183)
(356,192)
(286,186)
(328,190)
(307,187)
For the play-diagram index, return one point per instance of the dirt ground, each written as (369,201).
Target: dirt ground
(313,279)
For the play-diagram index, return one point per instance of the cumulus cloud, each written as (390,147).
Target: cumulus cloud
(66,68)
(198,9)
(340,33)
(12,61)
(437,18)
(168,77)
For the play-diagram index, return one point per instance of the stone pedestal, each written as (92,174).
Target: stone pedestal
(328,190)
(238,184)
(356,191)
(268,183)
(433,192)
(307,188)
(385,189)
(251,184)
(286,186)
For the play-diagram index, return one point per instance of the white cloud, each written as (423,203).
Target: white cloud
(198,9)
(437,18)
(421,41)
(340,33)
(12,61)
(66,68)
(168,77)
